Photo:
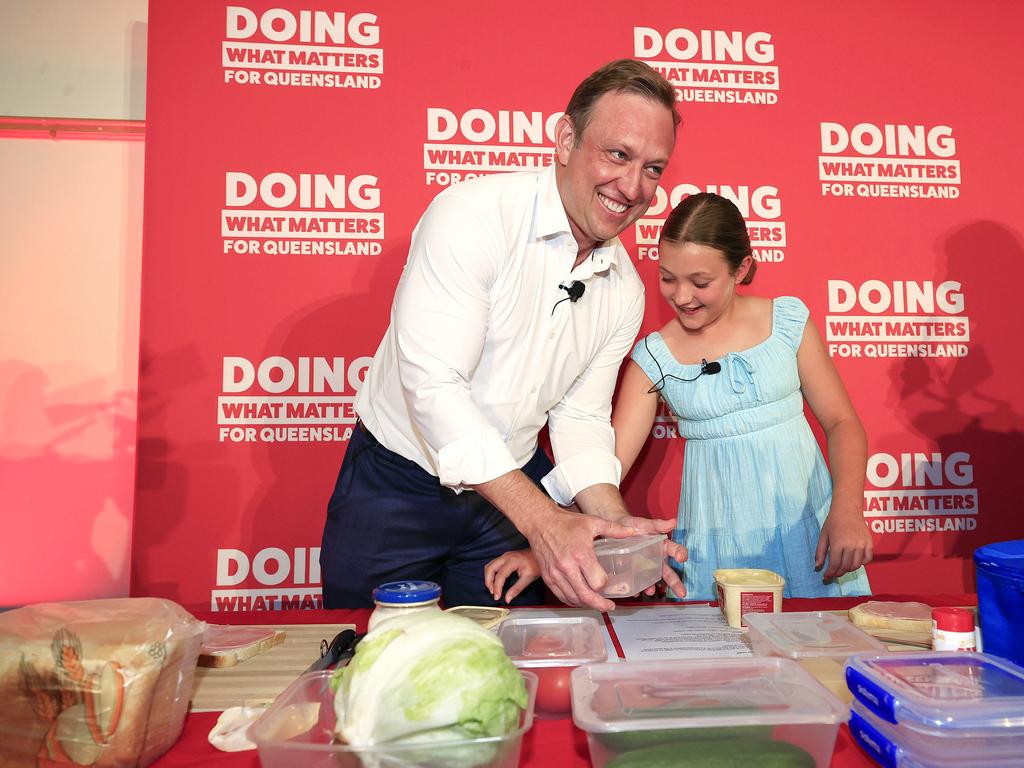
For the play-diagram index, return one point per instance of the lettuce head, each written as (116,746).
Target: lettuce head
(427,677)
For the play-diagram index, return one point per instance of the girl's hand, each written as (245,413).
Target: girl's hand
(669,576)
(521,562)
(846,540)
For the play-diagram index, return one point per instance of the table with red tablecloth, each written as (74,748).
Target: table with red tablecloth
(550,743)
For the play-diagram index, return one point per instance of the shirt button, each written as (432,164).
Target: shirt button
(551,335)
(533,389)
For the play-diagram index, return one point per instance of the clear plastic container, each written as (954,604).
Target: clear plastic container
(887,746)
(632,564)
(754,711)
(748,590)
(819,642)
(297,731)
(400,597)
(944,705)
(551,648)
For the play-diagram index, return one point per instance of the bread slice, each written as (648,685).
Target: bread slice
(875,614)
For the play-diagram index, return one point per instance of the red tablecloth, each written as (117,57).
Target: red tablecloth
(548,744)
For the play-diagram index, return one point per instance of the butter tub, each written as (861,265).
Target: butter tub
(748,590)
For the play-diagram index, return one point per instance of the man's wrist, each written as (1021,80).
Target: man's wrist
(516,497)
(602,500)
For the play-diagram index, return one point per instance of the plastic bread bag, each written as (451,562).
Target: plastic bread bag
(97,682)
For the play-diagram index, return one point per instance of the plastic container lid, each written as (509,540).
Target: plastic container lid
(626,546)
(1003,555)
(406,592)
(953,619)
(811,634)
(699,693)
(947,692)
(552,642)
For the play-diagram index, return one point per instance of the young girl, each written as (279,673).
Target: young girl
(756,490)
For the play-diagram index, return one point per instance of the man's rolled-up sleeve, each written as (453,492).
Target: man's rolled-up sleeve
(580,424)
(440,318)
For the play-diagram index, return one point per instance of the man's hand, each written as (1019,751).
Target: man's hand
(562,542)
(564,549)
(605,501)
(847,542)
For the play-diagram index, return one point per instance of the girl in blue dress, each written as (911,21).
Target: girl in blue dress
(756,491)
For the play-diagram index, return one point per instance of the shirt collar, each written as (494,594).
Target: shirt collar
(551,220)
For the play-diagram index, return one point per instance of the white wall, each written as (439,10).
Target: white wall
(70,253)
(73,58)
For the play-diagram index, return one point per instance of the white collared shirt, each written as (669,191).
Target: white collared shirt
(480,353)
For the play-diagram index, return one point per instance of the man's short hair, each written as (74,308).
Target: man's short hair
(626,75)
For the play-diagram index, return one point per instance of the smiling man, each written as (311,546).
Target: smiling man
(515,310)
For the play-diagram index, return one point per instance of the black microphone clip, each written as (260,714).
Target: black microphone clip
(575,290)
(709,369)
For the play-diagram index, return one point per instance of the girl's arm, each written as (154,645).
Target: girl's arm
(844,535)
(633,415)
(632,419)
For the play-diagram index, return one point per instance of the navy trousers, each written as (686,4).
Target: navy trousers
(390,520)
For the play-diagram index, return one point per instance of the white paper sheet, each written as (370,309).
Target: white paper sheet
(676,632)
(568,613)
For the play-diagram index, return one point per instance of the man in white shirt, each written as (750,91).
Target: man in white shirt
(515,309)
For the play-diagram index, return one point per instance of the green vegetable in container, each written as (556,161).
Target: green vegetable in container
(624,740)
(426,678)
(716,754)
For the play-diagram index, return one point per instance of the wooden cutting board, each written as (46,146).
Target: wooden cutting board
(261,678)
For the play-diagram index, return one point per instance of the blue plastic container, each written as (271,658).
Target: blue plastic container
(1000,575)
(938,710)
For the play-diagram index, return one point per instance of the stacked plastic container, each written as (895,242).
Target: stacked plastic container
(743,711)
(551,648)
(913,710)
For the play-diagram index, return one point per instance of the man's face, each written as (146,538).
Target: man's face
(608,181)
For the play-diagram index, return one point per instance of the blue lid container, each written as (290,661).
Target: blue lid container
(941,706)
(406,592)
(888,746)
(999,569)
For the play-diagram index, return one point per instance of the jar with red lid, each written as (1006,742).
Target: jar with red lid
(953,630)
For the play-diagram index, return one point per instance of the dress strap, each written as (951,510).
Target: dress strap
(789,316)
(648,353)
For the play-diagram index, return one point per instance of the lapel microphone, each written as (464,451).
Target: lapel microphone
(575,290)
(709,369)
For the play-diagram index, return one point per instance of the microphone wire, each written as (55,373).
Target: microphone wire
(705,370)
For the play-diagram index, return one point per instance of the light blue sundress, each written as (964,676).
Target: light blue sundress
(755,488)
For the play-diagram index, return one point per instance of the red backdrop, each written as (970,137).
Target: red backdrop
(291,148)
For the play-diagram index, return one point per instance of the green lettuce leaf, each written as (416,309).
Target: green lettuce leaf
(427,676)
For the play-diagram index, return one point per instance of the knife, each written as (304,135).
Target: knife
(337,652)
